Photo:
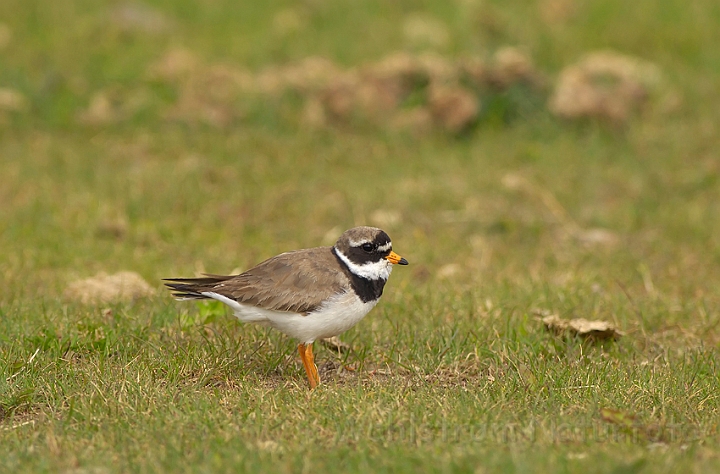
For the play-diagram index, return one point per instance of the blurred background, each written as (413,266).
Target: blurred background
(559,144)
(529,158)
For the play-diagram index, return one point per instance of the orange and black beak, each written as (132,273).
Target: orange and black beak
(395,258)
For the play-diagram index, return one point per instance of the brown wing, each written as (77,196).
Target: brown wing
(296,282)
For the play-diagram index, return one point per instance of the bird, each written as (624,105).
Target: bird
(306,294)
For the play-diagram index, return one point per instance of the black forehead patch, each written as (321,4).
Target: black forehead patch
(381,239)
(352,241)
(357,255)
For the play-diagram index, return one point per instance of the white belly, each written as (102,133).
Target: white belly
(336,316)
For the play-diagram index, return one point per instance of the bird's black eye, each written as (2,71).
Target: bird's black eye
(368,247)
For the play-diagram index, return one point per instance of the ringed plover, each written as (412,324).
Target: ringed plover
(307,294)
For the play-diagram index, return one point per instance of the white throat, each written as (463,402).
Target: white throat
(372,270)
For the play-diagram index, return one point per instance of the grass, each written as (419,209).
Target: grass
(452,371)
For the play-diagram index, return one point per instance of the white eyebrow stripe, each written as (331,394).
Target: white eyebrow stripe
(386,247)
(382,248)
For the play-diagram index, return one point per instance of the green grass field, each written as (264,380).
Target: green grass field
(106,166)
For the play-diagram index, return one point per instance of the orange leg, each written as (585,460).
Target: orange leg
(306,354)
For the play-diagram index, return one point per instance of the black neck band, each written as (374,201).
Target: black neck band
(366,289)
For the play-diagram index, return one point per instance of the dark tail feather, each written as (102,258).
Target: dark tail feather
(193,288)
